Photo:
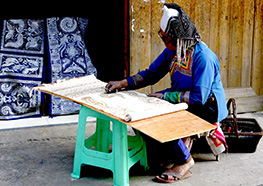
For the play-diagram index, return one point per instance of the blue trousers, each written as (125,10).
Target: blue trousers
(181,151)
(172,152)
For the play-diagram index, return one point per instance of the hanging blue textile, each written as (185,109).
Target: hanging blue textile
(68,57)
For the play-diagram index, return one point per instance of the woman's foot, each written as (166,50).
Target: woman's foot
(177,172)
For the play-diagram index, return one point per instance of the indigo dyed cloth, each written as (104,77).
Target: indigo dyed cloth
(21,67)
(68,57)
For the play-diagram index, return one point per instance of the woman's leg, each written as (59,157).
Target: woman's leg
(169,152)
(183,163)
(182,152)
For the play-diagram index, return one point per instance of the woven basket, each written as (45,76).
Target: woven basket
(242,134)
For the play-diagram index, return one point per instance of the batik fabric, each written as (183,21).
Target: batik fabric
(21,68)
(68,57)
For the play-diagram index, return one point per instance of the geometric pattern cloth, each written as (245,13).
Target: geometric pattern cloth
(21,67)
(68,57)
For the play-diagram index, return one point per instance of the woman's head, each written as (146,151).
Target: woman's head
(177,24)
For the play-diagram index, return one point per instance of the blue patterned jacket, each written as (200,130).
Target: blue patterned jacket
(193,81)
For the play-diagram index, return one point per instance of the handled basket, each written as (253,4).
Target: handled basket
(242,134)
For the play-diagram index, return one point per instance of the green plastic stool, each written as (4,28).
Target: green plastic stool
(126,150)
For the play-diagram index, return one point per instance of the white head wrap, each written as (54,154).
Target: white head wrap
(167,14)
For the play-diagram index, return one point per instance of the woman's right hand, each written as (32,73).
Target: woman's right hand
(112,86)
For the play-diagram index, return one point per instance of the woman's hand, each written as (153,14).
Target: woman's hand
(157,95)
(112,86)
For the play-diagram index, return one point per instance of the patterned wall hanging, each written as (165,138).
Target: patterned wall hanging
(68,57)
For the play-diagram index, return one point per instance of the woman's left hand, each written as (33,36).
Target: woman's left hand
(157,95)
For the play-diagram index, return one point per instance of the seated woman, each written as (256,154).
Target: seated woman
(195,80)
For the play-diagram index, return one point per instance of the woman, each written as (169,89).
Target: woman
(195,80)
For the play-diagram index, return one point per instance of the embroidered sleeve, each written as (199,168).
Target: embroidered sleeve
(136,79)
(184,97)
(177,97)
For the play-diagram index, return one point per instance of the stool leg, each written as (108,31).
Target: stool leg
(79,143)
(143,161)
(102,133)
(121,155)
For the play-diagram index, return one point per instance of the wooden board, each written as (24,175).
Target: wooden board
(172,126)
